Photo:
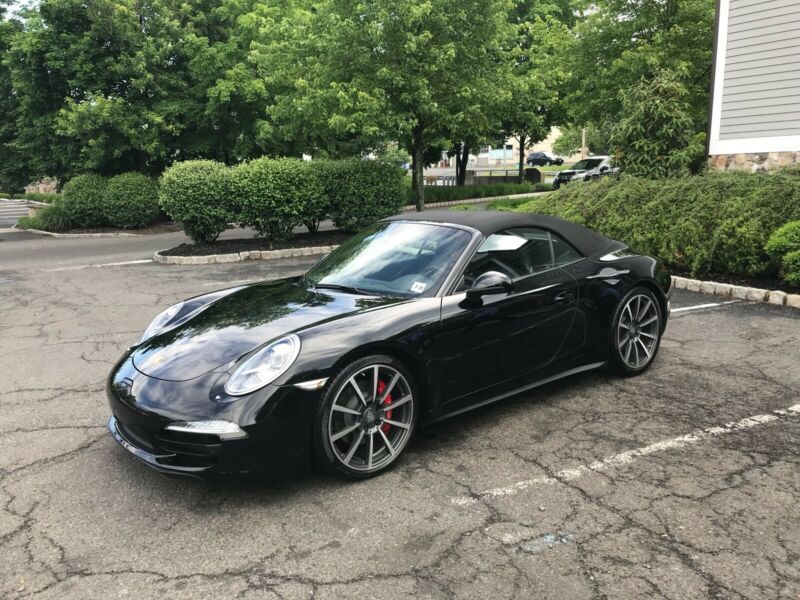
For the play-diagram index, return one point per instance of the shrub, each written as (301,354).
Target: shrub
(84,197)
(49,218)
(199,194)
(718,222)
(131,201)
(791,267)
(4,196)
(361,191)
(276,195)
(449,193)
(53,217)
(784,248)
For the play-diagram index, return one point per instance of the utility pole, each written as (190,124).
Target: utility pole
(584,149)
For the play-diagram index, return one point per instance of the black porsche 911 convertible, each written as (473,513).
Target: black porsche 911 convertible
(417,318)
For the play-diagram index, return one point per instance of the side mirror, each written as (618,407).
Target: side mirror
(488,284)
(603,169)
(322,257)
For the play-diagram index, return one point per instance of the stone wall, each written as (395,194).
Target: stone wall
(762,161)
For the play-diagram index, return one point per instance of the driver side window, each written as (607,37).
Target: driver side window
(518,253)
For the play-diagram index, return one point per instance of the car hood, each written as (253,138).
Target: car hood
(571,172)
(241,322)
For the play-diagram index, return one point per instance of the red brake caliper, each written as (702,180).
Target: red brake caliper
(387,401)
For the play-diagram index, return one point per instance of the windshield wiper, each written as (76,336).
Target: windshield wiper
(349,289)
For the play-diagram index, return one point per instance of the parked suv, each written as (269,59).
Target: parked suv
(587,169)
(543,159)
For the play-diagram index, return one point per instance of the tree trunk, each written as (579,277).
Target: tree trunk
(522,140)
(462,160)
(419,165)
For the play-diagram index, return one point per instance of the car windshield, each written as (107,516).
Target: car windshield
(586,164)
(392,258)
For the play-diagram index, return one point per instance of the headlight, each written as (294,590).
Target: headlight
(264,366)
(161,321)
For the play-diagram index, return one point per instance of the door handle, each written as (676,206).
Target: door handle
(564,298)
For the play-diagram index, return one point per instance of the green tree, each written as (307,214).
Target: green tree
(656,137)
(533,105)
(401,69)
(618,42)
(14,172)
(597,139)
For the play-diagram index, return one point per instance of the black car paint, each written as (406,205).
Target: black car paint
(555,323)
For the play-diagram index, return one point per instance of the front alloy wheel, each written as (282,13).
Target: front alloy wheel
(367,417)
(637,332)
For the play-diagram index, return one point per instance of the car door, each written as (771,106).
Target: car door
(508,335)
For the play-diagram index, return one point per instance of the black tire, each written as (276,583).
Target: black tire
(349,454)
(556,185)
(632,347)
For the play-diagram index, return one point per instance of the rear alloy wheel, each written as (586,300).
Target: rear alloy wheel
(636,332)
(366,418)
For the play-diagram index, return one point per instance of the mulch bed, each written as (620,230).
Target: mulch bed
(298,240)
(756,282)
(166,227)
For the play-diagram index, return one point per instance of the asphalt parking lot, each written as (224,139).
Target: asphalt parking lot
(681,483)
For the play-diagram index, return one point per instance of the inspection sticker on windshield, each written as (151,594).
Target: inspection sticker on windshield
(418,287)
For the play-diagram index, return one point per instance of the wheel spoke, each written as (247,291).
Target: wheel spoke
(643,312)
(343,432)
(652,337)
(635,353)
(630,314)
(396,403)
(389,388)
(628,353)
(625,341)
(352,382)
(397,424)
(646,351)
(344,409)
(353,447)
(371,446)
(648,321)
(389,446)
(375,383)
(625,327)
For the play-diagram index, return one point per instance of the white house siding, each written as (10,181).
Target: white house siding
(756,102)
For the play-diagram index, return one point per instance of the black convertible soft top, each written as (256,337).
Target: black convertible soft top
(588,242)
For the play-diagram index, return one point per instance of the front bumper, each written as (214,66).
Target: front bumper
(277,421)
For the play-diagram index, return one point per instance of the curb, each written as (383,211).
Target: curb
(737,292)
(213,259)
(79,235)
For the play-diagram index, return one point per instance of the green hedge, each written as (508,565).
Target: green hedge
(361,191)
(276,195)
(131,201)
(4,196)
(713,223)
(200,194)
(784,248)
(84,200)
(48,218)
(447,193)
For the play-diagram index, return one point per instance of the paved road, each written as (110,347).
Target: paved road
(681,483)
(11,211)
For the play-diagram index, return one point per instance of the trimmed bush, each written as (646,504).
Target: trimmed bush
(713,223)
(199,194)
(361,191)
(276,195)
(84,198)
(4,196)
(131,201)
(451,193)
(784,248)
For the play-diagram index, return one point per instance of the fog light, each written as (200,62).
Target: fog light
(225,430)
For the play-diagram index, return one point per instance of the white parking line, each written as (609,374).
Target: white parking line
(111,264)
(625,458)
(699,306)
